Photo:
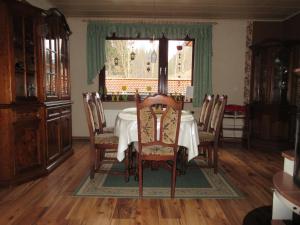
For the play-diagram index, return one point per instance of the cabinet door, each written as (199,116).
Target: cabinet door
(28,149)
(66,130)
(51,70)
(53,139)
(25,57)
(64,68)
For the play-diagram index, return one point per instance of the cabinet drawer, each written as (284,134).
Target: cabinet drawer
(53,113)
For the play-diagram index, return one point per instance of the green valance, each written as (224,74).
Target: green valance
(97,32)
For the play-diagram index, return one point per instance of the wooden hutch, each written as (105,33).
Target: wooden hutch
(274,90)
(35,105)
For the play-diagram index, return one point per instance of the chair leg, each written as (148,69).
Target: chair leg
(215,152)
(209,156)
(127,163)
(93,161)
(173,182)
(92,172)
(140,176)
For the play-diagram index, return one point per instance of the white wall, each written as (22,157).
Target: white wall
(229,40)
(229,47)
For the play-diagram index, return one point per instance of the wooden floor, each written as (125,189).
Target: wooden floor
(49,200)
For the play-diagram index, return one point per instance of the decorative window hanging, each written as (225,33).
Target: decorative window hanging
(116,61)
(148,67)
(153,56)
(132,54)
(179,64)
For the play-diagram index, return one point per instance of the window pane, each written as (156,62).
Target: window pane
(129,67)
(180,62)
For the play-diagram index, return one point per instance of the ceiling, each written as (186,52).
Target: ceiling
(188,9)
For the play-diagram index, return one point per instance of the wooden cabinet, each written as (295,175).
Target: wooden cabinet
(21,132)
(57,84)
(56,56)
(272,110)
(32,85)
(58,133)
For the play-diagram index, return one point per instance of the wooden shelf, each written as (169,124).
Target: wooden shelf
(285,186)
(289,154)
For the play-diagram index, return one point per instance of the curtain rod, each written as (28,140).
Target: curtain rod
(147,21)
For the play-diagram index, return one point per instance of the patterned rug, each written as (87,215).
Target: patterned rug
(195,183)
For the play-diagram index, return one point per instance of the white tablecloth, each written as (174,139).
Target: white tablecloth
(126,130)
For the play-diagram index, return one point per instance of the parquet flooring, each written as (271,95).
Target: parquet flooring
(49,200)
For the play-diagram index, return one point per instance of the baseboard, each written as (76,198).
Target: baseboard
(80,138)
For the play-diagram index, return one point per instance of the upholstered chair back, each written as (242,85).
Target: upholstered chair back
(91,113)
(217,115)
(205,112)
(168,118)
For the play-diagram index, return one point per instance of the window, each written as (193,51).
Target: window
(147,66)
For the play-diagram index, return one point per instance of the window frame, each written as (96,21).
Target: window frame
(162,65)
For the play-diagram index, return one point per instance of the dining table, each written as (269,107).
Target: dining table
(127,131)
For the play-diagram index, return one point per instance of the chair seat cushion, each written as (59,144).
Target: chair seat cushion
(157,150)
(108,129)
(200,127)
(206,136)
(106,138)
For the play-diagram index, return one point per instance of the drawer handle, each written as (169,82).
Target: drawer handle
(294,208)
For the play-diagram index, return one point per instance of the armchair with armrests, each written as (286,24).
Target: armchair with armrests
(103,145)
(161,147)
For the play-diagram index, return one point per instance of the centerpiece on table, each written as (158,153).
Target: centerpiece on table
(124,94)
(149,89)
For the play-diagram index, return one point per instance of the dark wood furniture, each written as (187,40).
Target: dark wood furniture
(103,146)
(271,109)
(205,112)
(56,97)
(289,193)
(27,143)
(164,146)
(209,140)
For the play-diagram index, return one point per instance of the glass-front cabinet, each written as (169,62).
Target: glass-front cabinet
(56,56)
(271,110)
(50,67)
(57,85)
(64,68)
(35,105)
(24,45)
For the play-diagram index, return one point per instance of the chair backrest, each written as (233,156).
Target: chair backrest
(205,111)
(169,120)
(91,114)
(217,116)
(100,111)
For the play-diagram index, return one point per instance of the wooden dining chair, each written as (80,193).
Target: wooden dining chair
(100,110)
(205,112)
(160,147)
(103,145)
(209,139)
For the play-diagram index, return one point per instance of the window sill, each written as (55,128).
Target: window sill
(130,98)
